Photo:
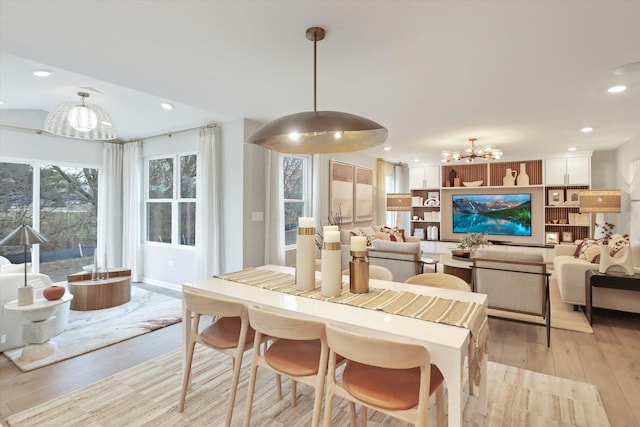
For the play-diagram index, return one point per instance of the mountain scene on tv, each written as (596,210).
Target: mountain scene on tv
(504,214)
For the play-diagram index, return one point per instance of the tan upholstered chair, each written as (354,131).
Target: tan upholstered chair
(230,334)
(514,281)
(390,377)
(376,272)
(439,280)
(298,350)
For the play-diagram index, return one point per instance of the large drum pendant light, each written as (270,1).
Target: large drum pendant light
(319,131)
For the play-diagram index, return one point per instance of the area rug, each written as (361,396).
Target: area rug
(147,395)
(562,314)
(94,329)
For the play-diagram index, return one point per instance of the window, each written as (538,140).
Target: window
(65,212)
(296,194)
(171,199)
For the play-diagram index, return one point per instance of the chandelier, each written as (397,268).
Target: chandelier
(80,120)
(319,131)
(486,152)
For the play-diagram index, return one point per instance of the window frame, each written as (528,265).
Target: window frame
(175,200)
(306,199)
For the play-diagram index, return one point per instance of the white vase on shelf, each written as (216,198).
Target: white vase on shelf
(509,179)
(523,178)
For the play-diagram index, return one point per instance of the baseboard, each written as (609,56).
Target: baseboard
(162,284)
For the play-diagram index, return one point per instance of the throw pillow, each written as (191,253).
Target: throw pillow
(395,234)
(616,243)
(586,244)
(592,254)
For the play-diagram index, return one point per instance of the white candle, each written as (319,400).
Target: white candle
(95,261)
(331,236)
(330,228)
(305,222)
(358,243)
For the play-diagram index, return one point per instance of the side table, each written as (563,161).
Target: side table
(601,280)
(39,332)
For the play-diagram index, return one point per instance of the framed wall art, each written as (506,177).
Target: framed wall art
(341,190)
(555,196)
(573,196)
(567,236)
(364,194)
(551,238)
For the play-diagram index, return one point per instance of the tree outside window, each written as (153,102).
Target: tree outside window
(171,193)
(295,170)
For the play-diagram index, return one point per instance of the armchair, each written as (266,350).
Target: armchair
(403,259)
(514,281)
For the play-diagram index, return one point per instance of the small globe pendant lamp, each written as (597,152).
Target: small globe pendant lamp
(319,131)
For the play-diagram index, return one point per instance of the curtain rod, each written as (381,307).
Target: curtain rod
(168,134)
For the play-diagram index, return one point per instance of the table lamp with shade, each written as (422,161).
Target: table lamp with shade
(24,236)
(399,202)
(599,202)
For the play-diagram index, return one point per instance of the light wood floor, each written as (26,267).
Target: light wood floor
(610,359)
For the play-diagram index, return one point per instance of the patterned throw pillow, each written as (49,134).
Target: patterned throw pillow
(616,243)
(592,254)
(394,234)
(586,244)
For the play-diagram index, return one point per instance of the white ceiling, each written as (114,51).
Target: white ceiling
(521,75)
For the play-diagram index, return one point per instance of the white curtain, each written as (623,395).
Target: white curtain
(109,250)
(132,209)
(207,204)
(274,217)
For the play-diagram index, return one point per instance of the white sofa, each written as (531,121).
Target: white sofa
(570,274)
(11,321)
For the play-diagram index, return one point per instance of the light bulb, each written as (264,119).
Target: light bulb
(82,118)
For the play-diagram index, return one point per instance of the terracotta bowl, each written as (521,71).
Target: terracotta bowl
(53,292)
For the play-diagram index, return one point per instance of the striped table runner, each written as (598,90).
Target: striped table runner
(463,314)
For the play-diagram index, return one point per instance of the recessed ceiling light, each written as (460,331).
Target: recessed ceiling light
(387,148)
(586,129)
(42,73)
(1,102)
(166,106)
(571,149)
(416,160)
(617,89)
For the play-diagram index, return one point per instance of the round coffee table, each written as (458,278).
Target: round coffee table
(457,267)
(98,294)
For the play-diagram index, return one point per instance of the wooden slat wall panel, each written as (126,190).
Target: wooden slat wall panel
(562,213)
(466,173)
(532,167)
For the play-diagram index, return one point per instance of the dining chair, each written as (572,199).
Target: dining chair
(439,280)
(229,333)
(296,348)
(394,378)
(376,272)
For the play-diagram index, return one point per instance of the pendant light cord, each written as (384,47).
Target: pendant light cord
(315,84)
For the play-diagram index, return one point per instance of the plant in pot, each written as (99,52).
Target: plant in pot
(469,243)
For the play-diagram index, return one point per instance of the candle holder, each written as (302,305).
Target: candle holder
(359,272)
(305,259)
(331,282)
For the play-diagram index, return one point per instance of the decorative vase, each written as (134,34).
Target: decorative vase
(54,292)
(509,179)
(523,178)
(306,255)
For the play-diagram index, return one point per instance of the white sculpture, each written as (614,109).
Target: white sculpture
(622,262)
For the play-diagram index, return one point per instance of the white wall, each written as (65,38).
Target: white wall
(168,264)
(628,220)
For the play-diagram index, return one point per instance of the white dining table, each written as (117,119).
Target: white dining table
(448,345)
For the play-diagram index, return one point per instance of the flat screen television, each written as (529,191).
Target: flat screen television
(500,214)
